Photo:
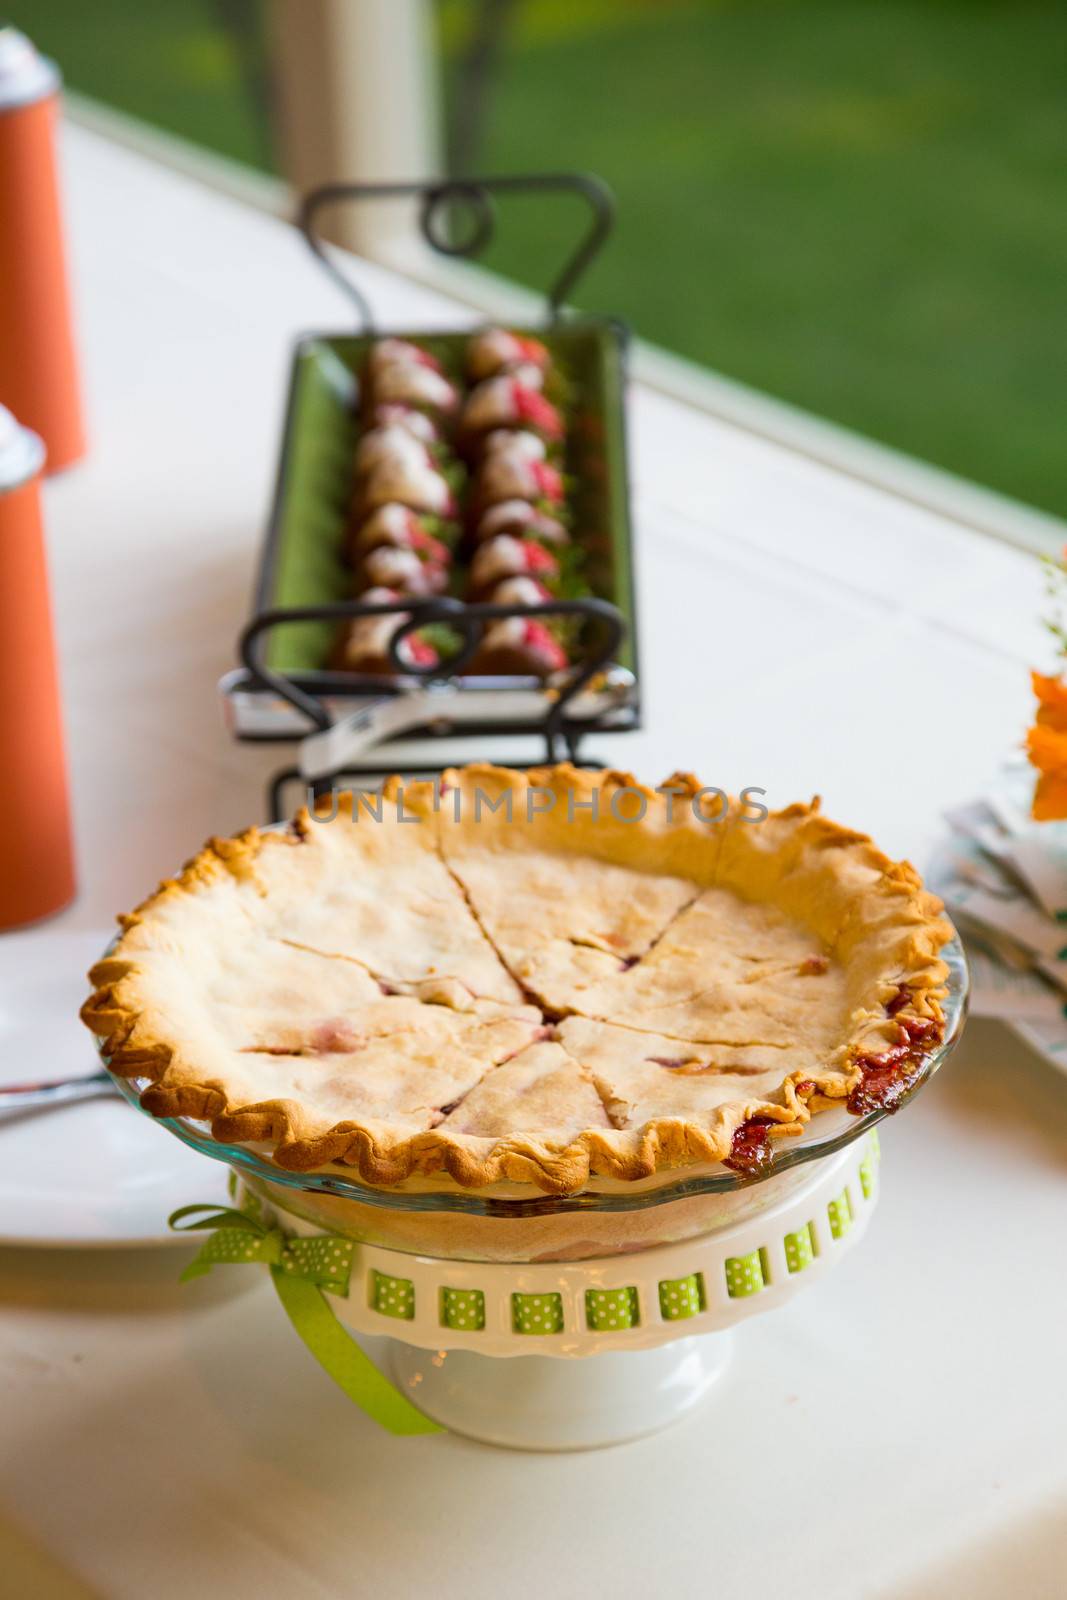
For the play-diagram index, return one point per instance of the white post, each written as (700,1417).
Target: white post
(357,102)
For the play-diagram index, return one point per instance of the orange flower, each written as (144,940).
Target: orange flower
(1047,748)
(1051,702)
(1050,800)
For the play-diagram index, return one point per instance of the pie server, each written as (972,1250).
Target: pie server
(57,1092)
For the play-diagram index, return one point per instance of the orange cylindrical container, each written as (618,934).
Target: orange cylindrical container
(36,856)
(38,368)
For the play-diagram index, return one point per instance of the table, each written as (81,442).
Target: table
(897,1432)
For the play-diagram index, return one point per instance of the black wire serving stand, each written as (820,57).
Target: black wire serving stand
(342,717)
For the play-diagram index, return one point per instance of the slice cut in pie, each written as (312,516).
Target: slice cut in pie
(525,977)
(568,898)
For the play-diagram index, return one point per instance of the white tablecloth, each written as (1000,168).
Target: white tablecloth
(897,1431)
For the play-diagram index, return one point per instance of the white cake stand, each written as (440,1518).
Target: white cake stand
(572,1354)
(655,1325)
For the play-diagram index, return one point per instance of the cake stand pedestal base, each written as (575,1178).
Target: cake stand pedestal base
(542,1403)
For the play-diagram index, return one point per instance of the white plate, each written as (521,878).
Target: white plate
(91,1174)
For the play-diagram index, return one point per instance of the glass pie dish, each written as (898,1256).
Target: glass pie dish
(433,1215)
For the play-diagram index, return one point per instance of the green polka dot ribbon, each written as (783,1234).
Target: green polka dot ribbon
(681,1297)
(866,1174)
(537,1313)
(303,1271)
(463,1309)
(393,1297)
(244,1199)
(799,1249)
(839,1213)
(239,1236)
(606,1309)
(744,1275)
(869,1164)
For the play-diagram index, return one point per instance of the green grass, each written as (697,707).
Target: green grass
(860,207)
(857,205)
(194,67)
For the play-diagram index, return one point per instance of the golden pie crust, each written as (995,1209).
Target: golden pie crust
(518,976)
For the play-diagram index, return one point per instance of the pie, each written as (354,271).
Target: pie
(530,977)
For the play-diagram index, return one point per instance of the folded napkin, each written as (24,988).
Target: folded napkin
(1003,878)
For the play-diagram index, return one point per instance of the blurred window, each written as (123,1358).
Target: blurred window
(197,68)
(858,206)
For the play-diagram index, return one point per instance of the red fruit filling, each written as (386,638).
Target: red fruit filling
(887,1078)
(813,966)
(899,1000)
(750,1147)
(333,1035)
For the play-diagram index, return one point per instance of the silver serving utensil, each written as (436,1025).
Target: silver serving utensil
(58,1092)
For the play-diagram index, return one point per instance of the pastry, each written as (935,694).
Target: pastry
(497,350)
(504,477)
(514,442)
(395,527)
(508,401)
(411,383)
(526,977)
(521,591)
(394,445)
(521,519)
(418,423)
(411,481)
(517,647)
(406,571)
(425,522)
(363,644)
(505,557)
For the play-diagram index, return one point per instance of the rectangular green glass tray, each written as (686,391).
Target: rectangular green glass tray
(302,562)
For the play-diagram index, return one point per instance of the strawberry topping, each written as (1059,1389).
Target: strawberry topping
(532,350)
(537,559)
(539,638)
(548,480)
(429,548)
(419,653)
(532,407)
(422,358)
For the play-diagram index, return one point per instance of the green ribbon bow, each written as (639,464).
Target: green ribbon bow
(301,1269)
